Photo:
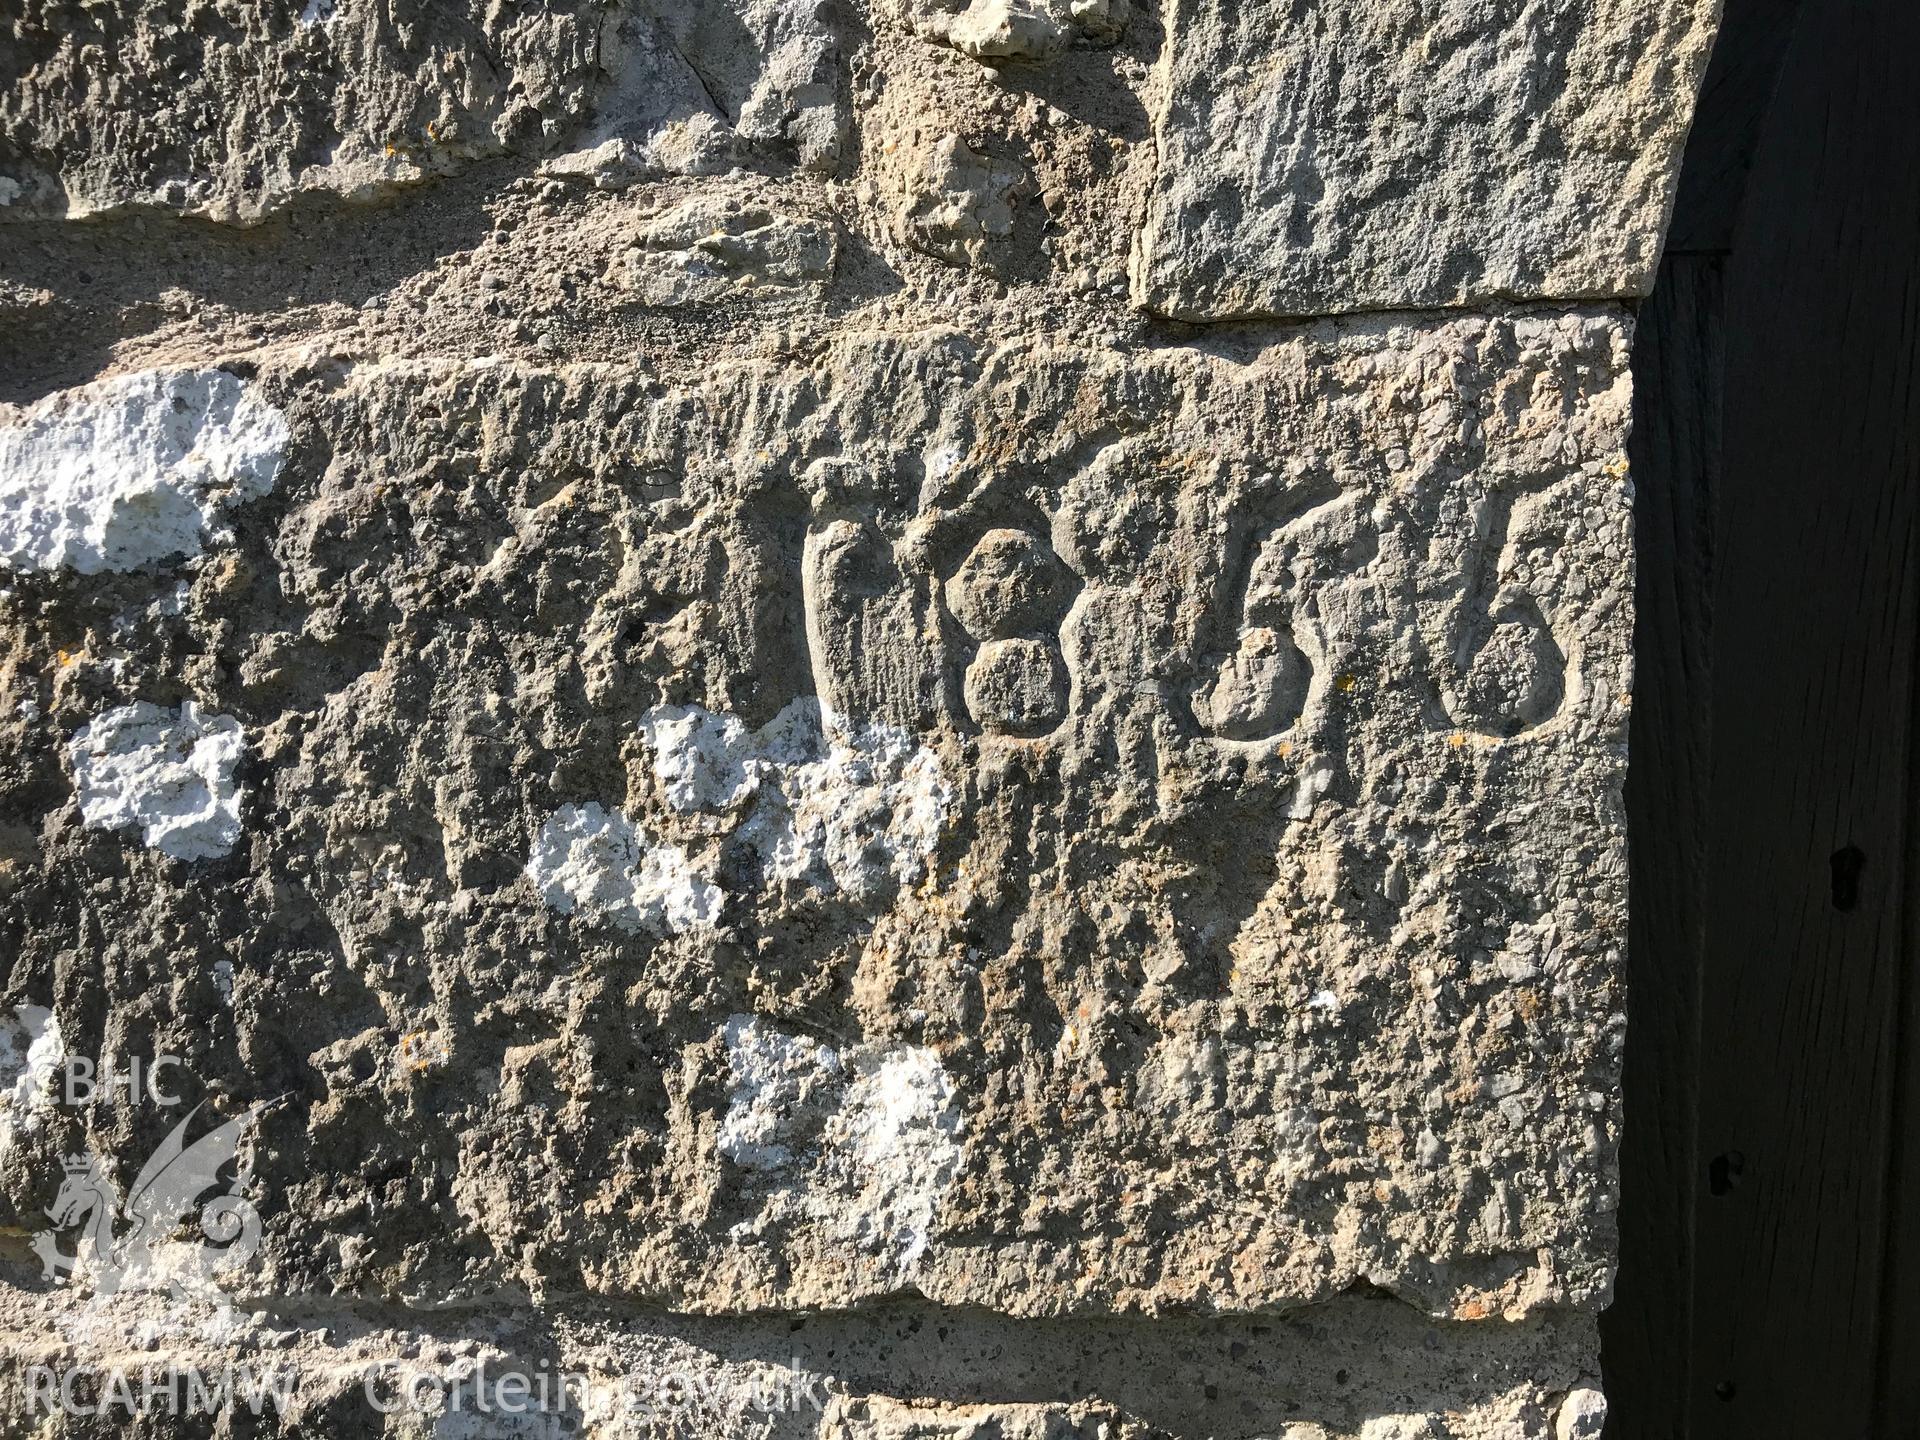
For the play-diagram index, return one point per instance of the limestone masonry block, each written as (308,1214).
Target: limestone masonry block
(1374,154)
(872,720)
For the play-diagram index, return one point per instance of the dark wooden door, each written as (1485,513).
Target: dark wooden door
(1770,1249)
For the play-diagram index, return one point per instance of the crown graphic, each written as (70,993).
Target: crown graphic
(76,1164)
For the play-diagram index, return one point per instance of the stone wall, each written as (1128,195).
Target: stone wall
(881,718)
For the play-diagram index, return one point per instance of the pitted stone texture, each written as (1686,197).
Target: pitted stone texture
(1358,1368)
(231,110)
(715,247)
(959,203)
(695,87)
(1382,154)
(1308,991)
(32,1060)
(879,1418)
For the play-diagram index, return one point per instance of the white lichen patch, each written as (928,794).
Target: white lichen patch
(777,1084)
(32,1052)
(853,809)
(863,1141)
(169,772)
(596,862)
(896,1145)
(134,470)
(703,761)
(844,808)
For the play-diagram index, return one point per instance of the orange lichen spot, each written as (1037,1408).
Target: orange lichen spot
(1345,683)
(419,1050)
(1457,740)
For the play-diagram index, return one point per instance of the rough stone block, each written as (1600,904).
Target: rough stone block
(231,110)
(719,763)
(1380,154)
(954,808)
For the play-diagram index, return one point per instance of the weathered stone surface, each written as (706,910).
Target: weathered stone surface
(728,760)
(1374,154)
(1214,825)
(1358,1368)
(958,202)
(231,110)
(228,110)
(715,247)
(1002,31)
